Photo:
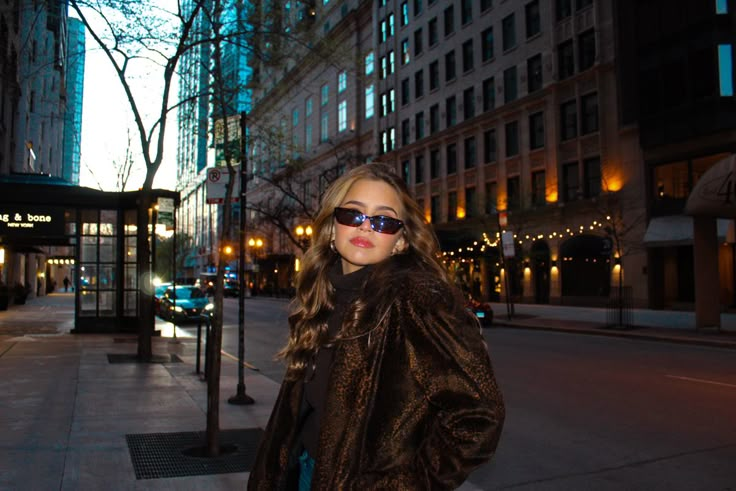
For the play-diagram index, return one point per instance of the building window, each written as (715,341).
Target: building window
(385,109)
(533,22)
(589,113)
(390,25)
(486,40)
(449,20)
(489,146)
(405,171)
(432,31)
(489,94)
(468,55)
(369,63)
(324,127)
(384,31)
(568,120)
(450,112)
(563,9)
(468,103)
(451,154)
(466,11)
(508,29)
(308,137)
(418,42)
(342,81)
(342,116)
(512,138)
(391,62)
(491,206)
(586,49)
(470,153)
(470,199)
(325,95)
(417,7)
(405,132)
(434,163)
(418,84)
(405,92)
(434,119)
(534,73)
(570,182)
(672,181)
(435,209)
(369,101)
(510,92)
(592,176)
(452,206)
(565,60)
(434,75)
(308,107)
(721,7)
(419,169)
(536,130)
(404,51)
(419,125)
(725,70)
(513,193)
(295,117)
(450,66)
(538,188)
(404,13)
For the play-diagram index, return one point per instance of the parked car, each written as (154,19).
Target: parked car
(482,311)
(232,288)
(184,303)
(158,295)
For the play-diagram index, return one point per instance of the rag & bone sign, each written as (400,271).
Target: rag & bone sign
(31,221)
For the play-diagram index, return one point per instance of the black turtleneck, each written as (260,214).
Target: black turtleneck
(347,288)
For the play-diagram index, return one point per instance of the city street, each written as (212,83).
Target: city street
(583,412)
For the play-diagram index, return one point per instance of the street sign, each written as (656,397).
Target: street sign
(166,205)
(507,241)
(217,179)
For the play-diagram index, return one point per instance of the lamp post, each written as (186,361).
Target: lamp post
(303,235)
(240,397)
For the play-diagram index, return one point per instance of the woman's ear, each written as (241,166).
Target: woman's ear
(401,246)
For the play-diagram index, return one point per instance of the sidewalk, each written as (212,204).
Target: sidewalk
(656,325)
(79,414)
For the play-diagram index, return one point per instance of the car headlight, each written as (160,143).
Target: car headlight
(209,307)
(178,309)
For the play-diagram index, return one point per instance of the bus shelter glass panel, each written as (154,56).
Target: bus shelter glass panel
(130,266)
(97,263)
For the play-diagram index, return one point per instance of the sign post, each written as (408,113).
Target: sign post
(509,250)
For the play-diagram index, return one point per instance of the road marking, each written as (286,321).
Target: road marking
(702,381)
(235,358)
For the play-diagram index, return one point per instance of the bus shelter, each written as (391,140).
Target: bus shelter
(48,225)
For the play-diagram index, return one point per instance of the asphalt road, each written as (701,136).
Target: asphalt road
(583,412)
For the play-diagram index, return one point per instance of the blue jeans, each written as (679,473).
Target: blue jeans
(306,467)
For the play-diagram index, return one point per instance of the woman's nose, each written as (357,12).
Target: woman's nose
(366,225)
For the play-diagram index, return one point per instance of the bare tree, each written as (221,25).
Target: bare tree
(129,33)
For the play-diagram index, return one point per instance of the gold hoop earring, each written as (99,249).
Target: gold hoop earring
(332,246)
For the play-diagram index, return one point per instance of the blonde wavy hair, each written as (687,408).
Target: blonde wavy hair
(313,302)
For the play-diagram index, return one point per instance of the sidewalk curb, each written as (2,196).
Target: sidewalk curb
(630,333)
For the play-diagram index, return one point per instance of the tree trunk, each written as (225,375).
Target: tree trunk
(145,287)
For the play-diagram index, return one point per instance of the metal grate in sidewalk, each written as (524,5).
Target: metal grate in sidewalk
(133,358)
(166,455)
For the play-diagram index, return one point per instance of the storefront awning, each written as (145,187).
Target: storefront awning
(715,192)
(676,230)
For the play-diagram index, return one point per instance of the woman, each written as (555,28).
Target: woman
(389,384)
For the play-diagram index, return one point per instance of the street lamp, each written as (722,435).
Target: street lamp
(303,235)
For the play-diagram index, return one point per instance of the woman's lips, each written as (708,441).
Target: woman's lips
(361,242)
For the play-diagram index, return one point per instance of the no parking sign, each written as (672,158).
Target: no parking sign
(217,180)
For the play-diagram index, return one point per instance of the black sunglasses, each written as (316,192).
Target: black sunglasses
(379,223)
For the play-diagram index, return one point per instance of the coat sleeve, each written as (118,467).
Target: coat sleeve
(449,360)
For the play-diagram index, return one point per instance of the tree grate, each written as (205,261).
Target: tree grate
(165,455)
(133,358)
